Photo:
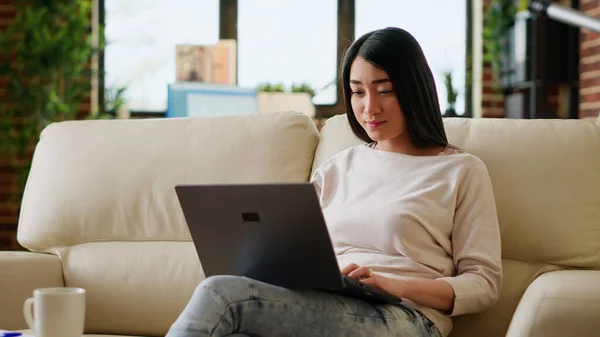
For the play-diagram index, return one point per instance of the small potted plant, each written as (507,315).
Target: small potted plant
(451,95)
(275,98)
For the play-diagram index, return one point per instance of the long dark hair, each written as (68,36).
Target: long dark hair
(398,53)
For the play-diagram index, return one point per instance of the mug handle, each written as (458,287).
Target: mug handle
(27,313)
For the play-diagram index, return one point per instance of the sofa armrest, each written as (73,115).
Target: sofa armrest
(21,273)
(560,303)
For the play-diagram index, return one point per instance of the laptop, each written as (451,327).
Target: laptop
(274,233)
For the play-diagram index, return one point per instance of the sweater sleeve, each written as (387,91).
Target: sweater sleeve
(323,179)
(476,248)
(317,180)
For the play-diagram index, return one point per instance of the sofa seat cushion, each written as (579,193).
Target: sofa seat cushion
(132,288)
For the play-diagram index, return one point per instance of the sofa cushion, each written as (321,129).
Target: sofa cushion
(546,179)
(21,273)
(153,281)
(558,304)
(114,180)
(132,288)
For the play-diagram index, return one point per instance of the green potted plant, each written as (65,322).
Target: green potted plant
(114,101)
(498,18)
(451,95)
(303,87)
(45,55)
(276,98)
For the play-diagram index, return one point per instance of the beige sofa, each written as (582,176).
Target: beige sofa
(99,212)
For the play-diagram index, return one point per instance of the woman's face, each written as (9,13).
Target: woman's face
(374,102)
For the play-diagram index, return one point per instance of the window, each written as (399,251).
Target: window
(141,37)
(440,28)
(289,42)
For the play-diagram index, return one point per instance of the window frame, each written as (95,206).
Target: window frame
(346,16)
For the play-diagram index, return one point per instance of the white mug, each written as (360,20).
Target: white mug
(58,312)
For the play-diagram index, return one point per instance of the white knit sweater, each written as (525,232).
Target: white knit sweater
(428,217)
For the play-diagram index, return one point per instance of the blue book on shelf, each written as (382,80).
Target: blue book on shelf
(196,99)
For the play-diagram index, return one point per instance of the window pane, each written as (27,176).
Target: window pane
(440,28)
(288,42)
(141,37)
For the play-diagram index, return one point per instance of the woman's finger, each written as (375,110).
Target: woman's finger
(349,268)
(370,280)
(360,273)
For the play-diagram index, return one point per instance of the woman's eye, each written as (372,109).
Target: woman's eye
(385,91)
(357,93)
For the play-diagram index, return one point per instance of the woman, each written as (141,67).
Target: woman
(407,212)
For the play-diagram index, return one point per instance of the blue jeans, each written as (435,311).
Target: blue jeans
(238,306)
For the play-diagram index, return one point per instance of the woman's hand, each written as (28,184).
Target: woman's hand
(437,294)
(367,276)
(355,271)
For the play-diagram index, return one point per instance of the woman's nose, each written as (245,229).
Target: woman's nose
(372,105)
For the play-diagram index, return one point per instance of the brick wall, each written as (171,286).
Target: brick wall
(10,192)
(589,65)
(492,101)
(9,206)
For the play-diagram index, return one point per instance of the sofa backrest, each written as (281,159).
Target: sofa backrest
(101,195)
(546,180)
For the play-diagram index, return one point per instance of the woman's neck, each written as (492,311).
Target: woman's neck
(405,146)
